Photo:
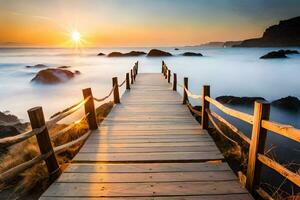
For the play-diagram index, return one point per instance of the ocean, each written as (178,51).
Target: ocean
(229,71)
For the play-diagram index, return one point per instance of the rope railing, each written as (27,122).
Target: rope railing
(40,129)
(69,127)
(8,141)
(189,93)
(61,148)
(107,96)
(218,128)
(66,113)
(193,110)
(260,125)
(11,173)
(120,85)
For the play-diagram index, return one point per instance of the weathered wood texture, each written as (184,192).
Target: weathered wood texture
(149,147)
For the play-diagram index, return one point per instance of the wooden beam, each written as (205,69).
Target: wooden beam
(116,90)
(89,108)
(234,113)
(205,105)
(127,82)
(185,85)
(174,82)
(258,140)
(37,120)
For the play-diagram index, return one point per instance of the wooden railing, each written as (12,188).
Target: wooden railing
(260,125)
(40,129)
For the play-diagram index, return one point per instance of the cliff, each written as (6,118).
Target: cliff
(286,33)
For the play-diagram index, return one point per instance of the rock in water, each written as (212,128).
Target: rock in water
(101,54)
(274,54)
(37,66)
(131,53)
(290,51)
(53,75)
(286,33)
(176,49)
(288,103)
(158,53)
(232,100)
(192,54)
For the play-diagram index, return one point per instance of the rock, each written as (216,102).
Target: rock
(158,53)
(37,66)
(64,67)
(131,53)
(274,54)
(288,103)
(7,131)
(176,49)
(77,72)
(286,33)
(290,51)
(53,75)
(192,54)
(232,100)
(100,54)
(6,117)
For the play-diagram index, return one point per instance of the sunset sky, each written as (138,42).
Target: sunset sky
(138,22)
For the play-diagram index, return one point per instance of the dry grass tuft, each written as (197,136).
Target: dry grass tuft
(35,179)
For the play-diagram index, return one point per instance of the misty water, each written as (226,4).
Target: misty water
(229,71)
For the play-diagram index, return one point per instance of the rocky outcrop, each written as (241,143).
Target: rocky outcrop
(274,54)
(131,53)
(53,76)
(233,100)
(287,103)
(191,54)
(37,66)
(158,53)
(286,33)
(279,54)
(176,49)
(10,125)
(290,51)
(100,54)
(64,67)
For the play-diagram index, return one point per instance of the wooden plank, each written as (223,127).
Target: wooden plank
(99,149)
(100,141)
(143,189)
(146,177)
(174,144)
(202,197)
(149,157)
(146,167)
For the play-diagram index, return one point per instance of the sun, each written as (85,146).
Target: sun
(76,36)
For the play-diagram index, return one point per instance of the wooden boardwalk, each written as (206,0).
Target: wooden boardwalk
(149,147)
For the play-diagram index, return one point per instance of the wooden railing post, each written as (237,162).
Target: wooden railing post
(162,67)
(205,105)
(137,67)
(116,90)
(37,120)
(257,145)
(169,75)
(89,108)
(174,81)
(185,85)
(127,82)
(131,76)
(166,72)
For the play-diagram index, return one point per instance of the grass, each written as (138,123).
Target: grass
(32,182)
(237,158)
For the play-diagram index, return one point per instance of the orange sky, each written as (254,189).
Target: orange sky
(127,22)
